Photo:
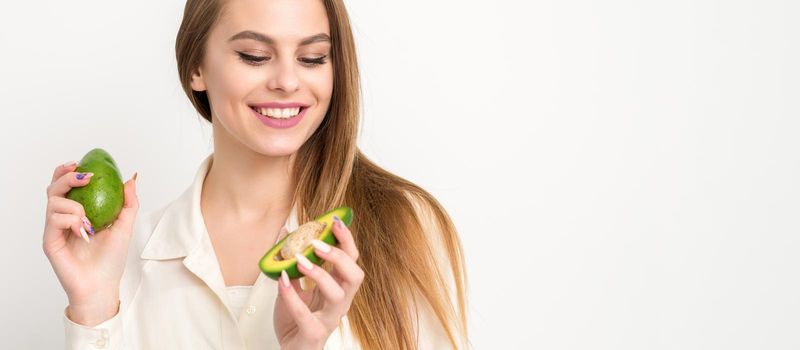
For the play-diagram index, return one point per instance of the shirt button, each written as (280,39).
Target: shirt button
(100,343)
(251,309)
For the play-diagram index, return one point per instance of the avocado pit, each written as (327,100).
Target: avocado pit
(299,240)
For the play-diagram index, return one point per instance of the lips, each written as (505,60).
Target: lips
(278,113)
(279,110)
(279,122)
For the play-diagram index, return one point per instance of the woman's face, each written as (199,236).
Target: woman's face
(259,55)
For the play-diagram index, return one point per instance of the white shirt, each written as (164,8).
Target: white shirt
(237,298)
(173,296)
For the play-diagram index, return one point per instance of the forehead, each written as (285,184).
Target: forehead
(288,21)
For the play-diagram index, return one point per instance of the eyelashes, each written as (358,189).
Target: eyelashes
(251,60)
(316,61)
(260,60)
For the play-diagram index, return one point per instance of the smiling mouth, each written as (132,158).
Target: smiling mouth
(279,113)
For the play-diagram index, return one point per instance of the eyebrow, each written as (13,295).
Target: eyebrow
(249,34)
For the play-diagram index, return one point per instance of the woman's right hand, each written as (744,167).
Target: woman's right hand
(90,272)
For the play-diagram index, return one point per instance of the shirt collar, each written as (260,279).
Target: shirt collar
(181,229)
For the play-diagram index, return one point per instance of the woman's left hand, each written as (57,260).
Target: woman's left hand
(303,323)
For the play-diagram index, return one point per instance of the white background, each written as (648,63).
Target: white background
(624,174)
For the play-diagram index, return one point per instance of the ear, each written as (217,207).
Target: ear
(198,82)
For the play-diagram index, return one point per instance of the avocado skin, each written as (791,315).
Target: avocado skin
(103,197)
(273,268)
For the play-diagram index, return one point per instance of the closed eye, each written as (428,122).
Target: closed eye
(252,60)
(316,61)
(259,60)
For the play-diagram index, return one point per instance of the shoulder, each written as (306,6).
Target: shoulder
(429,214)
(447,253)
(436,224)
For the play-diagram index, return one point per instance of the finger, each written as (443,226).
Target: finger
(296,307)
(57,223)
(335,298)
(66,182)
(305,295)
(63,169)
(350,274)
(68,206)
(131,198)
(297,285)
(345,237)
(64,206)
(130,206)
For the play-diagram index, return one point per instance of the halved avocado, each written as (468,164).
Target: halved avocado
(272,268)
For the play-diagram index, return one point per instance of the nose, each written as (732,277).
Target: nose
(284,78)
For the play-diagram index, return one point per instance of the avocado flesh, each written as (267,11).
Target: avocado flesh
(273,267)
(103,196)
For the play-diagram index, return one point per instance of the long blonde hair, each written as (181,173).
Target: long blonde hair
(397,254)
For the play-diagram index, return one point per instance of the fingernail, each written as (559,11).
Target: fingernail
(303,261)
(135,175)
(89,225)
(69,164)
(84,235)
(321,246)
(337,221)
(81,176)
(285,279)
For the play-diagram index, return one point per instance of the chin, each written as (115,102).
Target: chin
(277,149)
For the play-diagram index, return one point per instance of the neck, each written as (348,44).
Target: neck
(246,185)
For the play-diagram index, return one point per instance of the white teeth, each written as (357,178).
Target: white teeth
(282,113)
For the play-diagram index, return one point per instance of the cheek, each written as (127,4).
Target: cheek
(322,84)
(229,83)
(235,83)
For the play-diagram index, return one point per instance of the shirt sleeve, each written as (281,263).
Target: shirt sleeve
(106,335)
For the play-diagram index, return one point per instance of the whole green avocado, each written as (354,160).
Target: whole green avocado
(103,197)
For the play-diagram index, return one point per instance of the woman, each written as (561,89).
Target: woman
(278,81)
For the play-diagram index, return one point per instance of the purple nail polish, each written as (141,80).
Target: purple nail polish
(80,176)
(91,227)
